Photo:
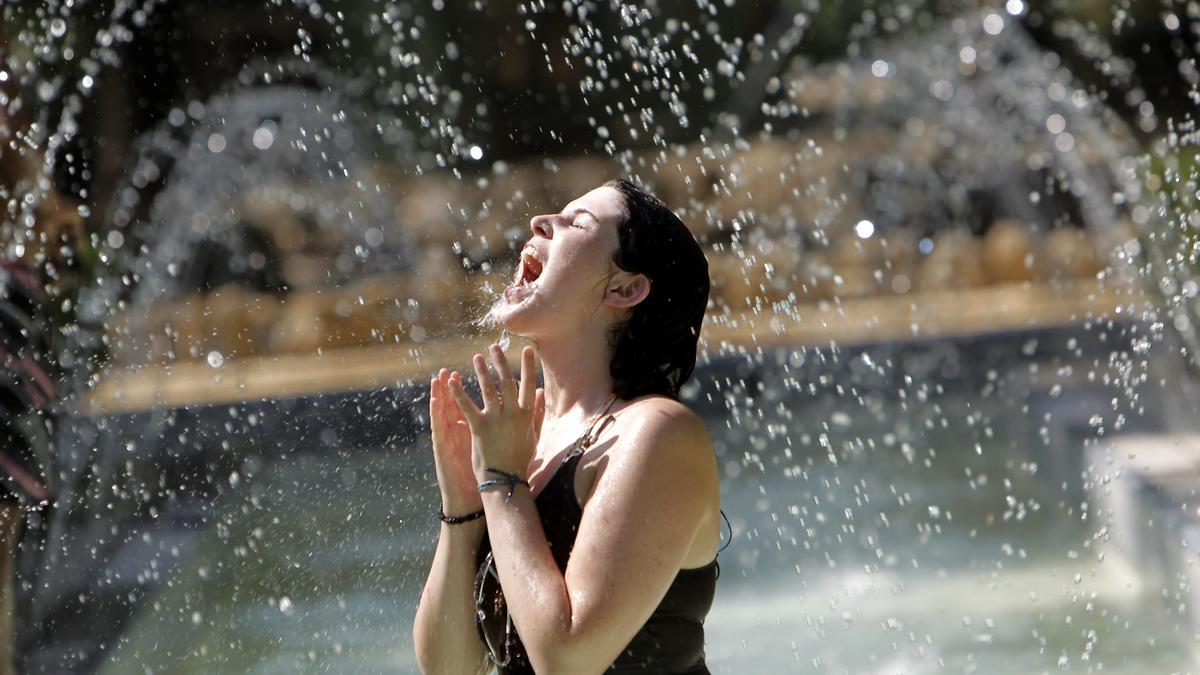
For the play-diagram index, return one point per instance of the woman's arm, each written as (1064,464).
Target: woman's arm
(657,487)
(645,510)
(444,633)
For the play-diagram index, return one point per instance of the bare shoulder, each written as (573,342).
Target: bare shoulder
(668,433)
(662,463)
(666,418)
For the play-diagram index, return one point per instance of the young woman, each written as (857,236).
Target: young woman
(580,521)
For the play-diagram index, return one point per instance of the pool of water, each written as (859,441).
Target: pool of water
(319,572)
(878,529)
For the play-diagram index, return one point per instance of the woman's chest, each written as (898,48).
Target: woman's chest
(569,472)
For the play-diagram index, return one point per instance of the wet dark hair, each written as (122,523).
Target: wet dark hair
(655,347)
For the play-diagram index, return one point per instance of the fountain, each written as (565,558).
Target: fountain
(928,350)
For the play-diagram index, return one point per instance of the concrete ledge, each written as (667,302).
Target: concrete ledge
(1146,491)
(852,320)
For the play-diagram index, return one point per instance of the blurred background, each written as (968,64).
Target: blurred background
(949,363)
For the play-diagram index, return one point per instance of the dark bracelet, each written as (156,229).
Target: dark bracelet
(511,480)
(454,520)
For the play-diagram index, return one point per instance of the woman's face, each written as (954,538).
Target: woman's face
(560,281)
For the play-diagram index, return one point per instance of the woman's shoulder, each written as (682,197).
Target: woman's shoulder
(665,444)
(660,405)
(660,414)
(665,428)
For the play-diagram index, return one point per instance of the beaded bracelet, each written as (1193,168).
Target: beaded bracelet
(511,480)
(454,520)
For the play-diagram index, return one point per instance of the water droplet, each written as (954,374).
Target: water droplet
(993,24)
(262,139)
(215,359)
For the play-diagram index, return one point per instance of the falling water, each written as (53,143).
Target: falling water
(916,483)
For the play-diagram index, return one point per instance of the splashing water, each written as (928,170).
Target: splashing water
(950,284)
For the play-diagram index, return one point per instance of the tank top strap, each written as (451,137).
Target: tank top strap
(592,433)
(561,486)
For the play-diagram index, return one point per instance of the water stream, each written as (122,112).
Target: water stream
(946,542)
(901,502)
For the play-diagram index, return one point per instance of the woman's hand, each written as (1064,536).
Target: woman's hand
(452,447)
(504,433)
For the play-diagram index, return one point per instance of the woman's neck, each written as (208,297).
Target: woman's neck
(575,371)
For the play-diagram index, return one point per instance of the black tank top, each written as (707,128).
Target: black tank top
(672,639)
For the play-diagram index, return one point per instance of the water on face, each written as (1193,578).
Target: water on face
(923,534)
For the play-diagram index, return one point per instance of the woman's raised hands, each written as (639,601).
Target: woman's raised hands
(504,432)
(451,447)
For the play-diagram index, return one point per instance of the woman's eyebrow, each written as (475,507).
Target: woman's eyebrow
(579,210)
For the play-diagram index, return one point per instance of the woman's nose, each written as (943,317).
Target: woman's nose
(540,226)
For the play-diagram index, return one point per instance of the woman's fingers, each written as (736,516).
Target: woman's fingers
(469,410)
(437,396)
(493,396)
(433,403)
(508,386)
(525,396)
(444,399)
(487,388)
(442,410)
(452,408)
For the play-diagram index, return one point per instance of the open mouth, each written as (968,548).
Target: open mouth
(529,270)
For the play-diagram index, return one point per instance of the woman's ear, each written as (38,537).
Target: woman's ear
(626,290)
